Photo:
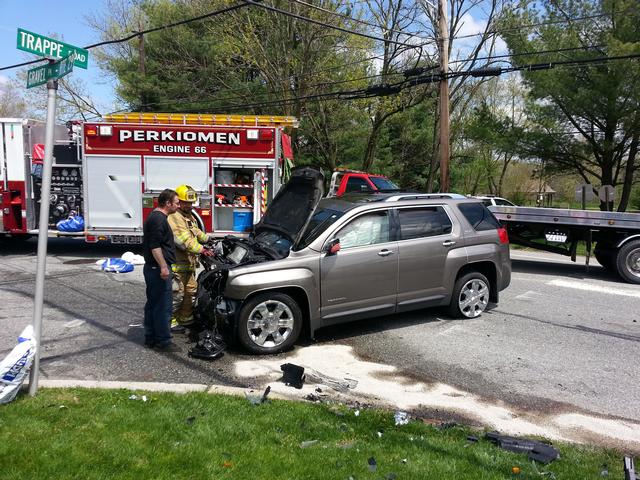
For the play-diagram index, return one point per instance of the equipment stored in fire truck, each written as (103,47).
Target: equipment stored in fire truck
(111,172)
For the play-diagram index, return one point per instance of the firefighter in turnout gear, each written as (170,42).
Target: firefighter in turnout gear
(189,240)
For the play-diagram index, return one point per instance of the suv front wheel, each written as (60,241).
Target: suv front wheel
(470,296)
(269,323)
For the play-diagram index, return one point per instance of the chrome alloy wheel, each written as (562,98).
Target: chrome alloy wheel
(474,297)
(633,262)
(270,323)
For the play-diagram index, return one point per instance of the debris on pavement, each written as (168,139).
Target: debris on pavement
(258,399)
(210,346)
(357,413)
(293,375)
(538,451)
(401,418)
(472,438)
(342,386)
(373,466)
(136,397)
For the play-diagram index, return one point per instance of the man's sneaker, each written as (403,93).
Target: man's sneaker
(176,327)
(167,347)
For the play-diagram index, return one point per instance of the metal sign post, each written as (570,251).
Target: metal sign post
(43,227)
(62,57)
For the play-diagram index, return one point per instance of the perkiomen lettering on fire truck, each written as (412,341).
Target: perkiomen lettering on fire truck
(226,138)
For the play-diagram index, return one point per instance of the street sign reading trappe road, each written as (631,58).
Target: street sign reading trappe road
(51,48)
(39,75)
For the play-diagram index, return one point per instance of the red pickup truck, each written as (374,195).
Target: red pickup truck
(348,181)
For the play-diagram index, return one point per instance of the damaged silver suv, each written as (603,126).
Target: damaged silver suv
(314,262)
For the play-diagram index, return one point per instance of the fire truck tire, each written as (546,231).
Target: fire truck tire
(270,322)
(628,261)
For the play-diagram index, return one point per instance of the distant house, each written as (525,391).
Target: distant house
(537,192)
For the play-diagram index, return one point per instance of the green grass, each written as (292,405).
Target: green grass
(94,434)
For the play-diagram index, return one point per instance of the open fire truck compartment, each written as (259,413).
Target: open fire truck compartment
(234,162)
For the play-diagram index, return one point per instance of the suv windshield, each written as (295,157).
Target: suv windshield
(320,221)
(384,183)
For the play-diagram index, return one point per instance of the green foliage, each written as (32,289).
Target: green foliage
(584,116)
(94,434)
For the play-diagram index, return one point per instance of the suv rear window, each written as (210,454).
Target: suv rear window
(479,216)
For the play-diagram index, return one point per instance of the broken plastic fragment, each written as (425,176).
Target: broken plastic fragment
(133,397)
(379,434)
(144,398)
(357,413)
(372,464)
(308,443)
(293,375)
(401,418)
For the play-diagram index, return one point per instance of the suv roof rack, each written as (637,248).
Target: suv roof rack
(423,196)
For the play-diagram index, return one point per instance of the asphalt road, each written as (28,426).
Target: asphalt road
(561,340)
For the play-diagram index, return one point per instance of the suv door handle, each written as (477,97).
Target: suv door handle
(448,243)
(385,253)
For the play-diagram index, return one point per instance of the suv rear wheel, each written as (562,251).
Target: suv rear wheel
(269,323)
(470,296)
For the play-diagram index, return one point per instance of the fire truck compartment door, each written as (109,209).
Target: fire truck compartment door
(163,172)
(113,192)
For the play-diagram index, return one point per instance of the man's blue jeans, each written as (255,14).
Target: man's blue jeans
(157,310)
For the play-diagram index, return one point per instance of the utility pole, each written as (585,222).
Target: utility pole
(443,34)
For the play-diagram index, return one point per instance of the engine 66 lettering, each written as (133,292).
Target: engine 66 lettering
(223,138)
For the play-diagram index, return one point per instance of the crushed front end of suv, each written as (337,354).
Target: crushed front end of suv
(313,262)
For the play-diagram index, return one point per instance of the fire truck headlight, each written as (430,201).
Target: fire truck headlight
(252,134)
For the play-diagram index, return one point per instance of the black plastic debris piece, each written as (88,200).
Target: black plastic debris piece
(538,451)
(630,469)
(210,346)
(372,464)
(265,394)
(190,420)
(293,375)
(472,438)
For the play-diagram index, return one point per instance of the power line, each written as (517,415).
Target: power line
(362,22)
(541,24)
(539,52)
(143,32)
(328,25)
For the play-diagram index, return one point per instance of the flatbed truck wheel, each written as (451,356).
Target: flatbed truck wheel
(628,261)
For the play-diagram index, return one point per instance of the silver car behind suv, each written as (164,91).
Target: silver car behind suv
(315,262)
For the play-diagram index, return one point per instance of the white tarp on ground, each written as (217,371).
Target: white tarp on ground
(16,365)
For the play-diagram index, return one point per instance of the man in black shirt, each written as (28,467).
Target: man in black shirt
(159,253)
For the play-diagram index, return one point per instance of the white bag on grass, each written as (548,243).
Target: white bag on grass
(16,365)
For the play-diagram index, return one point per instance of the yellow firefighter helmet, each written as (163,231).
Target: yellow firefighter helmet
(186,193)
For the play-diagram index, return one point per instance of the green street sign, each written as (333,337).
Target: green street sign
(39,75)
(51,48)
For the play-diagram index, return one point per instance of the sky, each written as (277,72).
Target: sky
(66,18)
(46,17)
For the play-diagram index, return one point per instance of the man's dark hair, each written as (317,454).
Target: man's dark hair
(166,197)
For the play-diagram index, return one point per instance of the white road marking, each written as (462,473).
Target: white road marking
(74,323)
(528,295)
(589,287)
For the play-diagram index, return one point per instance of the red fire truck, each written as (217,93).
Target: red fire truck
(111,172)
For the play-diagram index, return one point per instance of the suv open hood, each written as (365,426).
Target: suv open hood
(291,209)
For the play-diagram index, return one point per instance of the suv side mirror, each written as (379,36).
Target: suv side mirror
(332,247)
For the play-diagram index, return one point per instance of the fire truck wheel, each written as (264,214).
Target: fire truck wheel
(628,261)
(269,323)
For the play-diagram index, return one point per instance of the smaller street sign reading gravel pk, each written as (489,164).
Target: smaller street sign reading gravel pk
(39,75)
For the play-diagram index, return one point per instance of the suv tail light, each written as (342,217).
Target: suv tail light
(502,234)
